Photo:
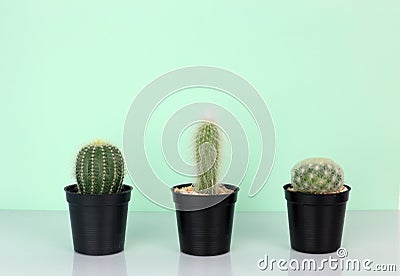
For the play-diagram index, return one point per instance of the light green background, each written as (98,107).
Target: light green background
(328,70)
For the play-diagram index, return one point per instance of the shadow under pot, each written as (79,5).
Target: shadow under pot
(98,221)
(316,220)
(205,221)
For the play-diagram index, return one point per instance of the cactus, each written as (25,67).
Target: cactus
(99,169)
(317,176)
(207,155)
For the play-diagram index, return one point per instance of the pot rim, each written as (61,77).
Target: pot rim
(230,186)
(98,199)
(188,202)
(316,199)
(289,185)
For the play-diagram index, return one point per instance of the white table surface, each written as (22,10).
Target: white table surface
(40,243)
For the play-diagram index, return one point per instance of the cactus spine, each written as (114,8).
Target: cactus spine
(207,155)
(317,176)
(99,169)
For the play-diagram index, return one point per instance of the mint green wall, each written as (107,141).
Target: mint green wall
(328,70)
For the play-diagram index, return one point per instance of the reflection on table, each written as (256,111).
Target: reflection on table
(200,266)
(110,265)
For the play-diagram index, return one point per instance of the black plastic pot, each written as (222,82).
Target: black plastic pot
(205,222)
(98,222)
(315,220)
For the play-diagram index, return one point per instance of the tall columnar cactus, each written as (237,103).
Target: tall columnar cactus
(207,155)
(317,176)
(99,169)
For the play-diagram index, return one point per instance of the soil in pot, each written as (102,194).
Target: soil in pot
(316,220)
(205,221)
(98,222)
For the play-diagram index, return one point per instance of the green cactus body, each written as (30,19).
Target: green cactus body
(317,176)
(99,169)
(207,155)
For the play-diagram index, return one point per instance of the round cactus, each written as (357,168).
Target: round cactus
(207,155)
(99,169)
(317,176)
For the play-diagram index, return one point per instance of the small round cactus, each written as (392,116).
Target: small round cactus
(317,176)
(207,155)
(99,169)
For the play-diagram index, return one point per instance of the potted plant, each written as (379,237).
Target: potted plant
(204,210)
(316,204)
(98,203)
